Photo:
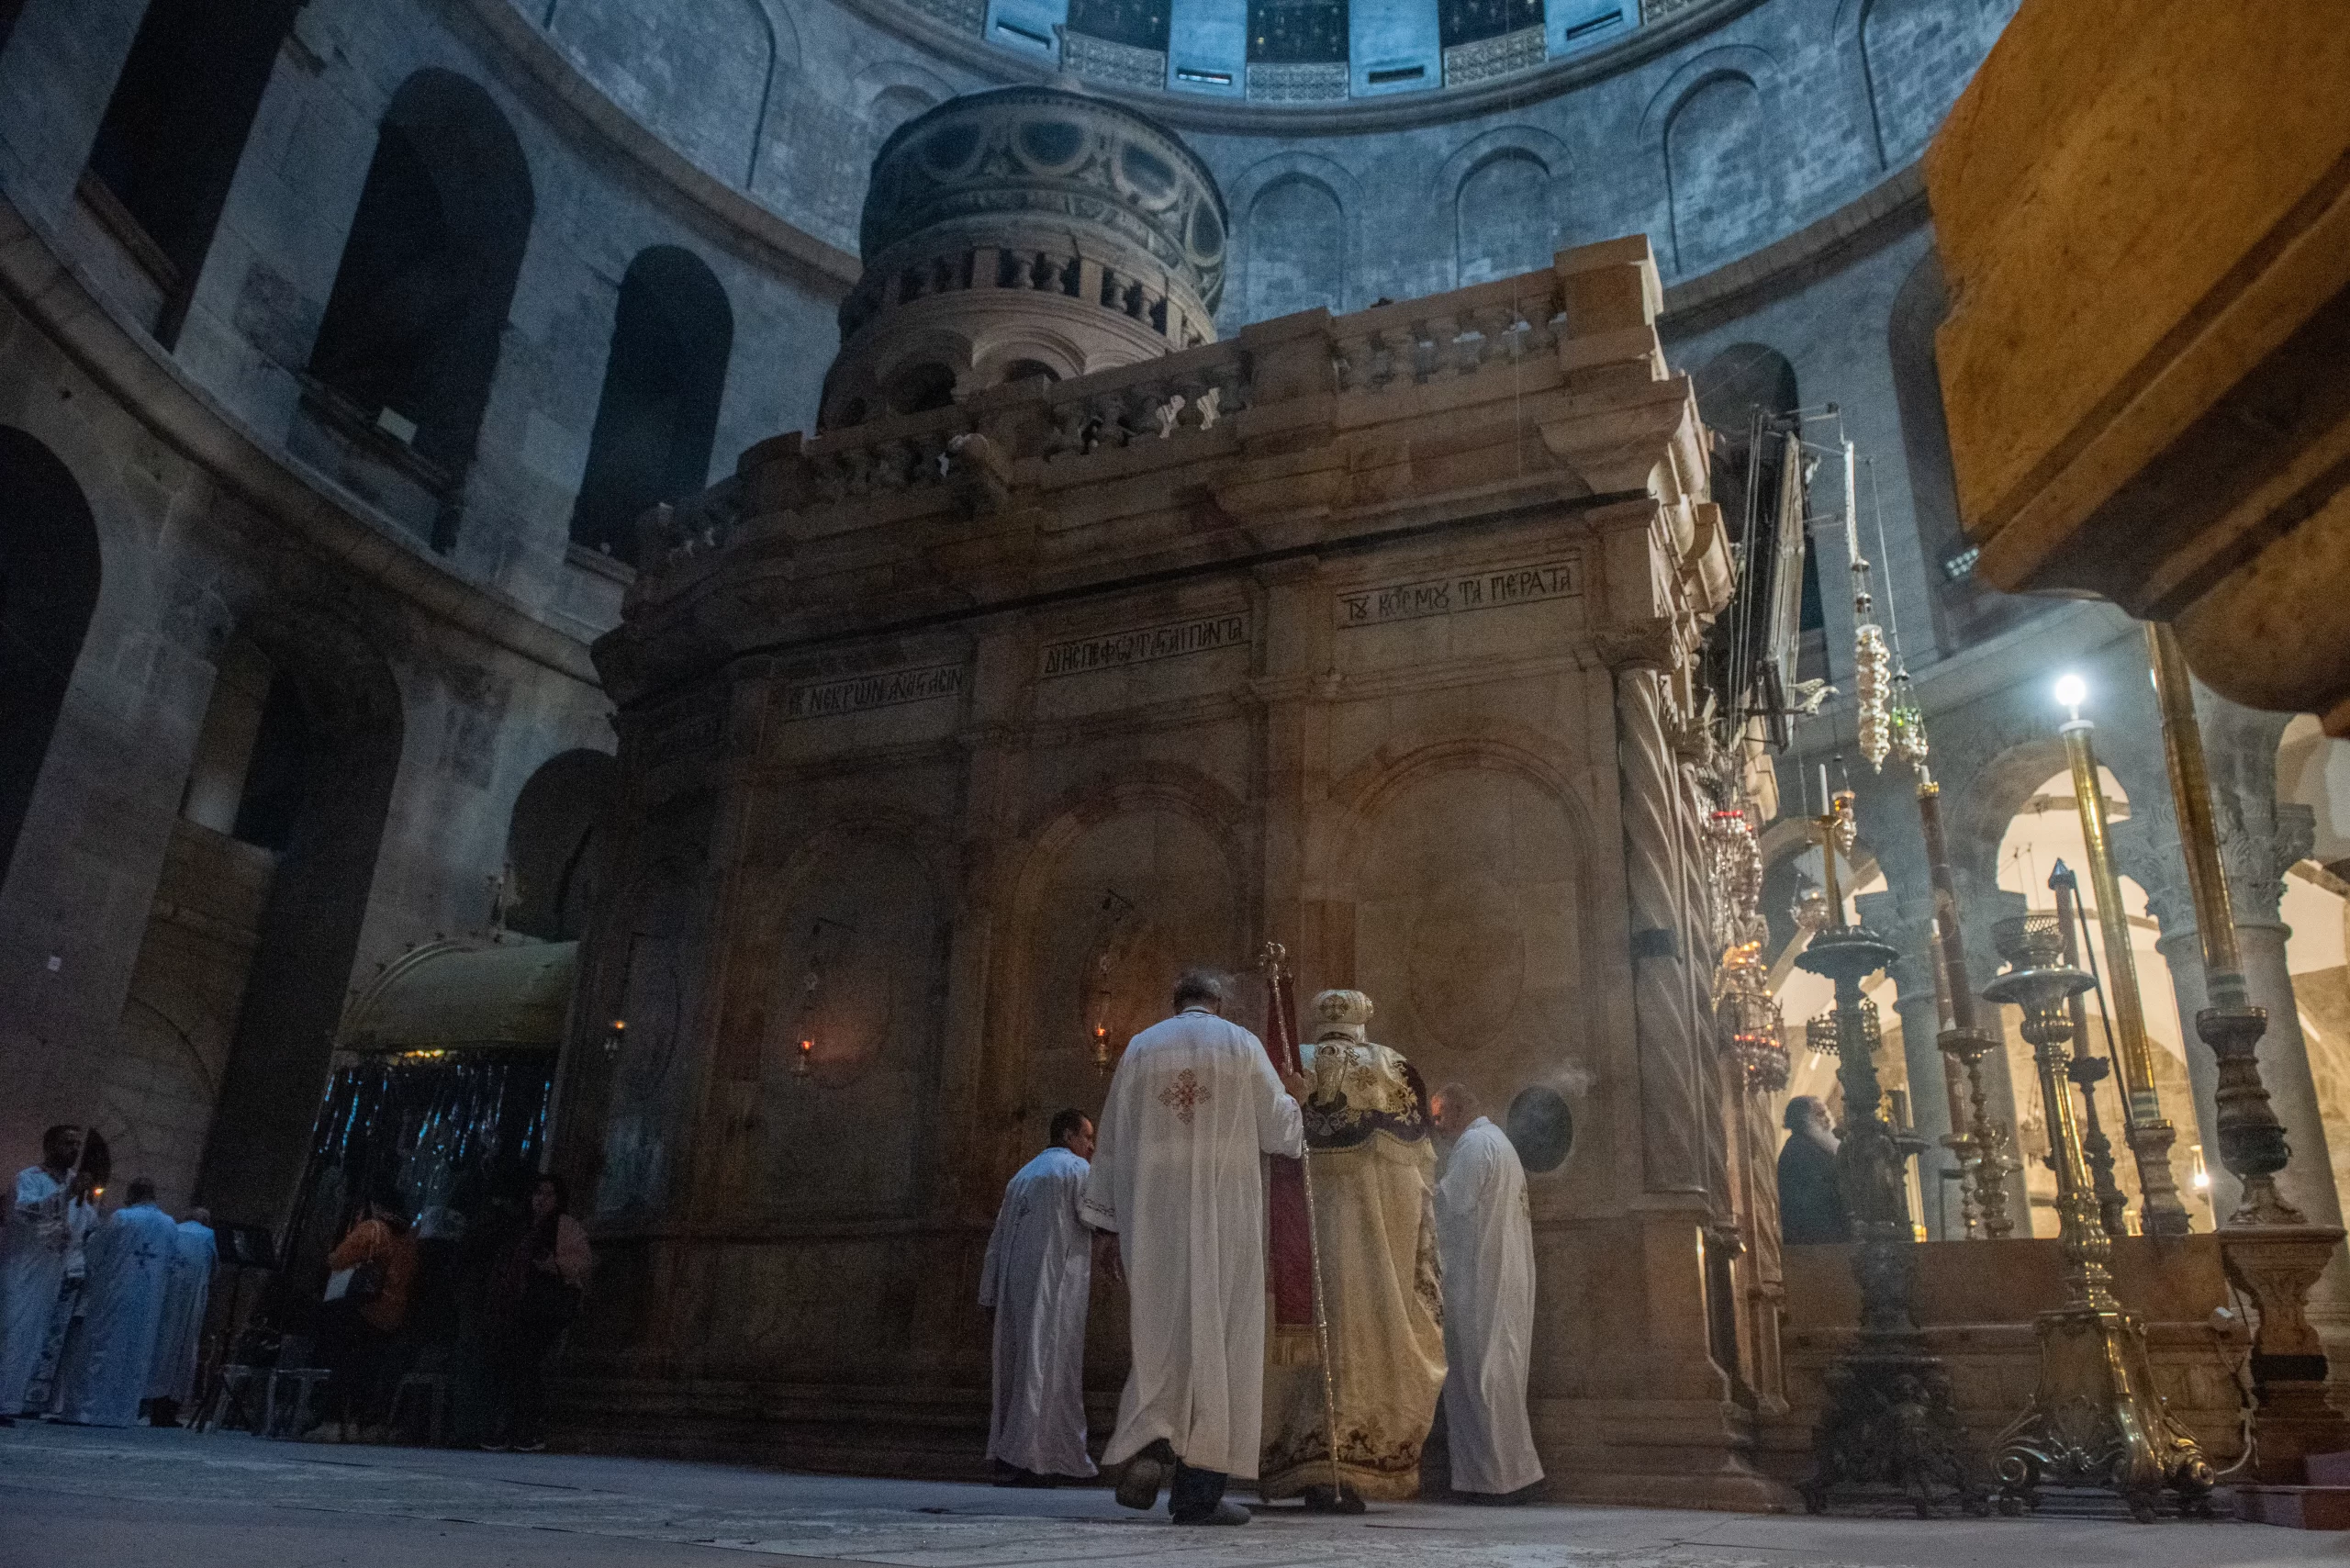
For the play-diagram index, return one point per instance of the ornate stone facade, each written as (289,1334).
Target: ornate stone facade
(957,734)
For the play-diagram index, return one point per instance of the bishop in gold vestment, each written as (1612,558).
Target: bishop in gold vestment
(1368,1135)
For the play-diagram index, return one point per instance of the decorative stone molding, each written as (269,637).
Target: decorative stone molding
(1120,64)
(1487,58)
(1313,82)
(963,15)
(1024,232)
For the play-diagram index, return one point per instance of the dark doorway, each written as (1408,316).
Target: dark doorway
(49,587)
(175,128)
(412,329)
(555,844)
(316,790)
(671,340)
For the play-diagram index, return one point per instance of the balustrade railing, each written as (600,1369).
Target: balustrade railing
(1463,333)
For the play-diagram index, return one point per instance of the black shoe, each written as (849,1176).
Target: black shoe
(1225,1512)
(1146,1473)
(1012,1475)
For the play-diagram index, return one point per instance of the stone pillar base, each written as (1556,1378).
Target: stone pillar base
(1654,1453)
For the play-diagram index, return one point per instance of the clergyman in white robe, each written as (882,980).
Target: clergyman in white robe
(32,1264)
(187,1288)
(130,1258)
(1487,1241)
(1179,1175)
(1038,1275)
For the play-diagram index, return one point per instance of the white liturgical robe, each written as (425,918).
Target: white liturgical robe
(1179,1175)
(32,1263)
(186,1289)
(1038,1274)
(131,1257)
(1487,1241)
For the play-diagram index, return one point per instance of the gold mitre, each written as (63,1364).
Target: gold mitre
(1341,1015)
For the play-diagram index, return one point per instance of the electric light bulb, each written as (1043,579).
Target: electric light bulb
(2071,690)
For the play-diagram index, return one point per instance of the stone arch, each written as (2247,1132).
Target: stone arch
(1315,202)
(851,956)
(1465,865)
(889,93)
(558,844)
(1710,125)
(673,335)
(317,793)
(50,572)
(413,327)
(1914,58)
(1502,189)
(1116,882)
(175,128)
(704,90)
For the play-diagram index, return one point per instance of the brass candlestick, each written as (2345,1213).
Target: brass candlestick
(2149,1133)
(1889,1420)
(2094,1418)
(2087,1071)
(2268,1249)
(1982,1143)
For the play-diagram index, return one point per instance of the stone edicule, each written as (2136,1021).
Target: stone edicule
(1024,232)
(949,738)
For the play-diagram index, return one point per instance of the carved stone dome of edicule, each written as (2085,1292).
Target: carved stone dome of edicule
(1029,231)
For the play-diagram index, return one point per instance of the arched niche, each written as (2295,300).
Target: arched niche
(1468,887)
(174,131)
(1117,902)
(1919,55)
(555,844)
(1504,219)
(851,957)
(672,337)
(1720,171)
(1295,237)
(409,341)
(697,75)
(316,792)
(49,588)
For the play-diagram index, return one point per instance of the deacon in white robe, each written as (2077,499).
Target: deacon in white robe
(1194,1107)
(32,1263)
(1037,1280)
(131,1257)
(1487,1240)
(187,1288)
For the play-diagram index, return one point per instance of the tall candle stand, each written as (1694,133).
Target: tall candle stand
(1889,1420)
(2094,1418)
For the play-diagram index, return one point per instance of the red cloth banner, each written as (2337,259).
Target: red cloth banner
(1289,1261)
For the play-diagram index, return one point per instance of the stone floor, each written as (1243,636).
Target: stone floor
(79,1498)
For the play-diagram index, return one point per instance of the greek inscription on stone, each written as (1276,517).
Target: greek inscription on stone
(1449,596)
(1082,655)
(885,688)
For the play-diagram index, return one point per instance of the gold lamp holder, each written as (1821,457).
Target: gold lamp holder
(2095,1419)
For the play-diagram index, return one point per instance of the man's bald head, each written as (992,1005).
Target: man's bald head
(1453,1107)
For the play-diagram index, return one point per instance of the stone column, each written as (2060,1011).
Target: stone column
(2256,847)
(1911,930)
(1673,1095)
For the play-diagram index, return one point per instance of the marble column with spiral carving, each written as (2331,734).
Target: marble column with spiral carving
(1673,1094)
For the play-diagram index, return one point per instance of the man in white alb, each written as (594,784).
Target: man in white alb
(1039,1273)
(1487,1240)
(131,1257)
(187,1288)
(32,1263)
(1180,1176)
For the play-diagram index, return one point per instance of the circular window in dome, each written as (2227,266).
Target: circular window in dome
(1541,1128)
(1152,176)
(1207,232)
(946,150)
(1053,144)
